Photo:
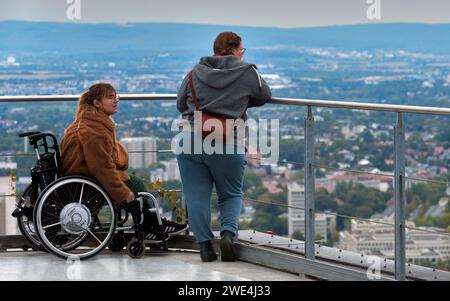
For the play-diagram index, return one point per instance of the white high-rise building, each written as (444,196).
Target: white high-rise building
(296,216)
(296,198)
(141,151)
(173,172)
(8,224)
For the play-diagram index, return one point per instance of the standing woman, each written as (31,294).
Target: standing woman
(223,85)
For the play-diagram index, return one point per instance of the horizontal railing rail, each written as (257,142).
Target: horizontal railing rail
(336,104)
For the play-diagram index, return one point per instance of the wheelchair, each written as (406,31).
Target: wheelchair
(72,216)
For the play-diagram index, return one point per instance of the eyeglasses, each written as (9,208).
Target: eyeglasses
(243,50)
(113,97)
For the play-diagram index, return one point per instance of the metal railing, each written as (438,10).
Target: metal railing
(309,165)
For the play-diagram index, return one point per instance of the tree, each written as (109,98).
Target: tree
(299,176)
(280,226)
(443,136)
(366,137)
(262,221)
(292,150)
(257,192)
(172,184)
(430,193)
(347,210)
(324,201)
(298,236)
(251,181)
(319,173)
(360,201)
(244,225)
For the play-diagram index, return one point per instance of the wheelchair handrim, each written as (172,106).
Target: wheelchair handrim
(40,230)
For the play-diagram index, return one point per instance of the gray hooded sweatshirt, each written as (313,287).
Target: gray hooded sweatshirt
(225,86)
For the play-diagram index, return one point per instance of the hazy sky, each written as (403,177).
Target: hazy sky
(277,13)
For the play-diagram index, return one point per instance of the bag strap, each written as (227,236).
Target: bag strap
(194,95)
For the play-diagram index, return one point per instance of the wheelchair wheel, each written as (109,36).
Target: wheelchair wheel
(74,217)
(25,219)
(135,248)
(26,203)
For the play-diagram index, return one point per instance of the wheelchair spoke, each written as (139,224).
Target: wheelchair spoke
(90,232)
(63,240)
(53,199)
(81,194)
(94,208)
(48,220)
(68,192)
(50,216)
(53,236)
(52,225)
(90,198)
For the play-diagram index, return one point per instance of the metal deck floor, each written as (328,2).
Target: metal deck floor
(154,266)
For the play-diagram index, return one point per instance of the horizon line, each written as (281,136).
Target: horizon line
(225,25)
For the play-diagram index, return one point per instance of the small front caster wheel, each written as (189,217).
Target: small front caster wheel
(136,248)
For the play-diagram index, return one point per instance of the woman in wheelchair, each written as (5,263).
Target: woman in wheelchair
(78,202)
(89,147)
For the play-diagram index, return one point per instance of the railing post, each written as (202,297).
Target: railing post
(399,187)
(309,185)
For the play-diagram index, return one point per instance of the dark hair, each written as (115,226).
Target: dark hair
(225,43)
(97,91)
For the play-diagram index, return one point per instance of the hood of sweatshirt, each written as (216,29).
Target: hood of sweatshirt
(219,72)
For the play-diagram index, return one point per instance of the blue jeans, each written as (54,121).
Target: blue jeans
(198,173)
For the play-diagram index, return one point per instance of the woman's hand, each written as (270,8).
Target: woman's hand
(130,197)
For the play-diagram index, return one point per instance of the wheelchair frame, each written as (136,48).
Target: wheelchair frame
(63,221)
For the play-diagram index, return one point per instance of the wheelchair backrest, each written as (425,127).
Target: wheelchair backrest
(48,160)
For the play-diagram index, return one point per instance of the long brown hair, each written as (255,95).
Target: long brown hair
(97,91)
(225,43)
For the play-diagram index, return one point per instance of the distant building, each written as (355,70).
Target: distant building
(296,198)
(8,165)
(378,239)
(378,182)
(272,186)
(439,208)
(8,224)
(22,183)
(349,131)
(172,170)
(248,213)
(141,151)
(296,217)
(326,183)
(158,174)
(387,214)
(254,158)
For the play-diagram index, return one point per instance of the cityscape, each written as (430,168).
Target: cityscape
(354,148)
